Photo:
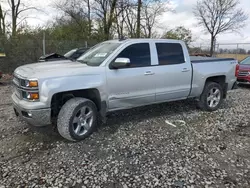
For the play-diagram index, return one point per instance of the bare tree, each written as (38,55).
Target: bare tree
(125,15)
(105,10)
(17,8)
(131,21)
(120,16)
(151,11)
(79,11)
(89,16)
(120,22)
(219,16)
(138,26)
(2,21)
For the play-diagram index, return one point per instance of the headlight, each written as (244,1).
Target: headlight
(31,95)
(31,83)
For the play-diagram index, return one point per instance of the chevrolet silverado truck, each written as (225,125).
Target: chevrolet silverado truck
(116,75)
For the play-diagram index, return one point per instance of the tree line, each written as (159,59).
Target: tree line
(99,20)
(234,51)
(92,19)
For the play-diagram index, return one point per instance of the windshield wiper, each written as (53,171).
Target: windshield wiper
(82,61)
(68,58)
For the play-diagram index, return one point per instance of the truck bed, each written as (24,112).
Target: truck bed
(205,67)
(199,59)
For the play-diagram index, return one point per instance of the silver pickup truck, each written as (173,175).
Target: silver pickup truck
(115,75)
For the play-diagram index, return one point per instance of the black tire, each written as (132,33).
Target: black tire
(68,112)
(203,103)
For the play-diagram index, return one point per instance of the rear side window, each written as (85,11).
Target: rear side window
(139,55)
(170,53)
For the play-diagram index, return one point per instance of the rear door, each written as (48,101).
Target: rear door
(173,73)
(134,85)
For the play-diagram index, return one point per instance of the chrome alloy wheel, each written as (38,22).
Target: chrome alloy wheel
(214,97)
(83,121)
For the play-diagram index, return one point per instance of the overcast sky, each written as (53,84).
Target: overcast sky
(183,16)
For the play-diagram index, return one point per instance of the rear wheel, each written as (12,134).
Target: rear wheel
(211,97)
(77,119)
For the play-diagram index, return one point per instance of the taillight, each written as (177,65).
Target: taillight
(237,70)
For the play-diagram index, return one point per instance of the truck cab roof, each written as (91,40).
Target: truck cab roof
(144,40)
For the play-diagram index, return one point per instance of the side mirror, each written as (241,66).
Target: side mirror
(120,62)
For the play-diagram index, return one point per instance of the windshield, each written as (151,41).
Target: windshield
(245,61)
(68,54)
(100,52)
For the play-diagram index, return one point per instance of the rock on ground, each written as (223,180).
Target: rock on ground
(135,148)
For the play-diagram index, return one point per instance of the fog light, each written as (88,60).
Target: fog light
(26,114)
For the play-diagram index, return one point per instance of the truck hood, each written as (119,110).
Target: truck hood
(54,69)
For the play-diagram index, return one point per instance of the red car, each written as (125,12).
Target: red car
(243,71)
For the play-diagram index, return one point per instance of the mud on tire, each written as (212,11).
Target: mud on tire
(73,118)
(211,97)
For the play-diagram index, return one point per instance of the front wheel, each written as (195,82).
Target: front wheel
(211,97)
(77,119)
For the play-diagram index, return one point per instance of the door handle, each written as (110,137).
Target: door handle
(185,70)
(149,73)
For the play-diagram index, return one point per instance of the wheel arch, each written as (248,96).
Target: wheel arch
(59,99)
(220,79)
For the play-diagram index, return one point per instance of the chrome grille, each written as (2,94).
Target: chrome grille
(18,92)
(17,81)
(243,73)
(17,84)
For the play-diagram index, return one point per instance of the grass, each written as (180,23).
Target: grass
(239,57)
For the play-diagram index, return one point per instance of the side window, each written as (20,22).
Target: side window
(139,55)
(170,53)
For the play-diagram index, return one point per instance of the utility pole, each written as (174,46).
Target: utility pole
(237,51)
(44,50)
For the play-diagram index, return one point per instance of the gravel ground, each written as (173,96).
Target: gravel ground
(135,148)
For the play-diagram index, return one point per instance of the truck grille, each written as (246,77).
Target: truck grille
(16,80)
(243,73)
(17,83)
(17,92)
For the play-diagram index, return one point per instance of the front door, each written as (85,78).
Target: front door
(133,85)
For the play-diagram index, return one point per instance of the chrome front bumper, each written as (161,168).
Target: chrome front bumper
(35,117)
(246,83)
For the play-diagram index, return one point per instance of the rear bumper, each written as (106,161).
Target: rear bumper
(35,117)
